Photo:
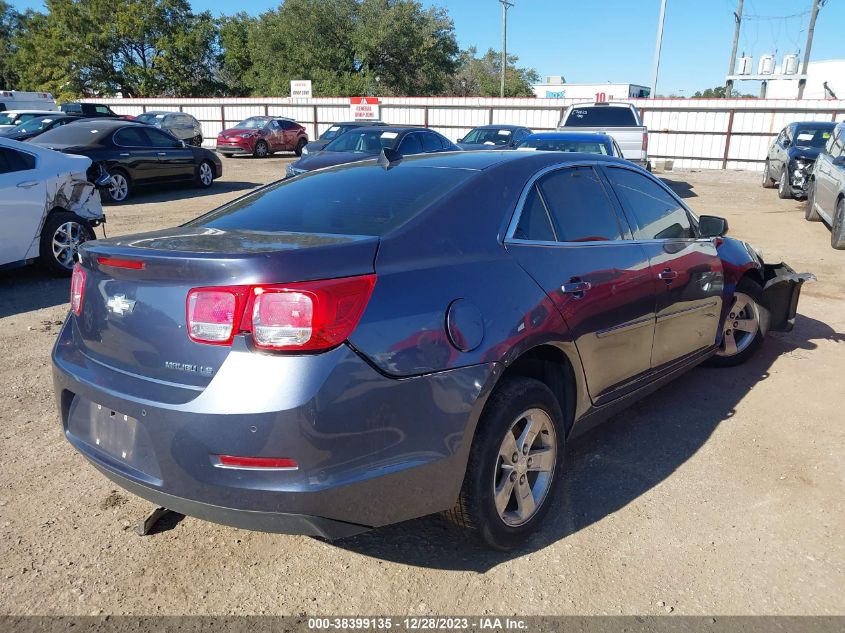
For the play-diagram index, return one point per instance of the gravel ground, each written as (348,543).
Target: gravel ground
(720,494)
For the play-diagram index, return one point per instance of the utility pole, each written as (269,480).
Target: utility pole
(658,46)
(505,6)
(815,13)
(729,84)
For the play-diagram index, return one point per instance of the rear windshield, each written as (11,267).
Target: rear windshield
(71,107)
(601,116)
(808,136)
(33,125)
(364,140)
(352,200)
(561,145)
(488,136)
(73,134)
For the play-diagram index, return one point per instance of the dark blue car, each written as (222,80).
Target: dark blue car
(388,339)
(578,142)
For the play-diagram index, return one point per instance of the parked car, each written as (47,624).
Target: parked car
(581,142)
(494,137)
(826,195)
(367,143)
(38,125)
(48,206)
(620,120)
(18,100)
(790,158)
(179,124)
(333,132)
(261,136)
(374,342)
(91,110)
(13,118)
(134,154)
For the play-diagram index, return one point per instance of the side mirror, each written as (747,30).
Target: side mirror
(460,140)
(712,226)
(182,144)
(786,143)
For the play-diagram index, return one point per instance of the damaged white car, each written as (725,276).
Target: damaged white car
(48,205)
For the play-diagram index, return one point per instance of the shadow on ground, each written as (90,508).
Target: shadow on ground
(168,193)
(608,467)
(682,188)
(30,288)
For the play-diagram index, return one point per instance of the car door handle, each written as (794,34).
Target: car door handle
(29,184)
(667,274)
(125,154)
(576,288)
(162,153)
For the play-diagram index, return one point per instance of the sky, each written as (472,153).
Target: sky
(614,40)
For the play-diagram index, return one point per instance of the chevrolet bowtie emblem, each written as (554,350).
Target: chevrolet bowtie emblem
(120,305)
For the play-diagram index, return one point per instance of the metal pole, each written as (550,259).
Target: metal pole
(658,47)
(810,29)
(729,84)
(505,6)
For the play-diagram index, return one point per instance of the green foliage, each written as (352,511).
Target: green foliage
(135,47)
(719,93)
(9,19)
(482,76)
(146,48)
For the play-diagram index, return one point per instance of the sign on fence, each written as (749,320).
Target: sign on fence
(364,108)
(300,89)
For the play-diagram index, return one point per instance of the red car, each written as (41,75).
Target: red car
(261,136)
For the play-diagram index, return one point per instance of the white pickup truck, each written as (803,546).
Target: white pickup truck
(619,120)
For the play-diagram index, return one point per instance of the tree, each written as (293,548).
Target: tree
(234,60)
(719,93)
(144,48)
(9,22)
(483,76)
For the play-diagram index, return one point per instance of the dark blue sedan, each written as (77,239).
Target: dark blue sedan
(383,340)
(579,142)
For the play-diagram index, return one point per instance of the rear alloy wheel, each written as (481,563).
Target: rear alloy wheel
(810,213)
(837,229)
(767,180)
(205,175)
(60,239)
(299,145)
(119,187)
(742,331)
(261,150)
(514,466)
(784,189)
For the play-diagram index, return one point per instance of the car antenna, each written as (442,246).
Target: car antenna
(389,158)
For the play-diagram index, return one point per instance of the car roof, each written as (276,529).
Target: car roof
(106,123)
(816,124)
(569,136)
(361,123)
(480,160)
(32,112)
(503,126)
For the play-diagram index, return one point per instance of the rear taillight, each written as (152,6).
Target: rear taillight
(77,289)
(116,262)
(256,463)
(645,141)
(305,316)
(212,313)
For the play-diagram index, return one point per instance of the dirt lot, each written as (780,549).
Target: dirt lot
(722,494)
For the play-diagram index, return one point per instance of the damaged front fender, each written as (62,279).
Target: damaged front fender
(781,290)
(74,192)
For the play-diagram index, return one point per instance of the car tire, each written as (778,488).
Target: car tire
(515,403)
(784,190)
(61,236)
(299,145)
(205,175)
(810,213)
(768,183)
(197,141)
(837,228)
(748,306)
(261,150)
(120,188)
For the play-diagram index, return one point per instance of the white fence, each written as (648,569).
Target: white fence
(693,133)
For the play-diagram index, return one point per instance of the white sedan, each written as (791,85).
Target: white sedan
(48,206)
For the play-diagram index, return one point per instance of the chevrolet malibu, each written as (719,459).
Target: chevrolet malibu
(383,340)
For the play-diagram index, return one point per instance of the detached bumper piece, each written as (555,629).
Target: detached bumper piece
(782,289)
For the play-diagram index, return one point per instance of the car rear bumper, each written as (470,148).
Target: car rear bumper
(371,450)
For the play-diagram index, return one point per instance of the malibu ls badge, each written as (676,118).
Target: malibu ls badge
(120,305)
(196,369)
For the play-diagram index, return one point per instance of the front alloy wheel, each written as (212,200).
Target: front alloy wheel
(205,175)
(744,329)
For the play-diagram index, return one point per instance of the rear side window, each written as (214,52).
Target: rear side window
(657,214)
(579,206)
(431,142)
(160,139)
(601,116)
(103,110)
(410,145)
(351,200)
(12,160)
(131,137)
(534,223)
